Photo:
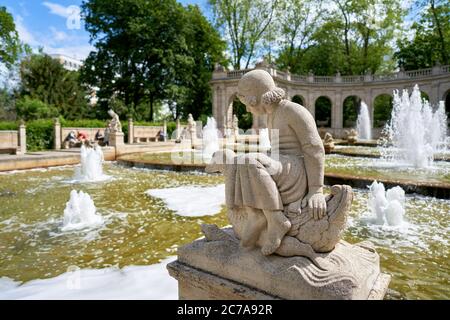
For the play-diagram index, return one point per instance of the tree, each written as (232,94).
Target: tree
(352,37)
(149,52)
(431,42)
(244,23)
(206,49)
(32,109)
(10,45)
(45,79)
(297,20)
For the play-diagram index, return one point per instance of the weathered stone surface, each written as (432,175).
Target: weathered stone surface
(352,272)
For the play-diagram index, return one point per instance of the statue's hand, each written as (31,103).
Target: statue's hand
(316,203)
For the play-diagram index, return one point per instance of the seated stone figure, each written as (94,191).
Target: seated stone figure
(278,204)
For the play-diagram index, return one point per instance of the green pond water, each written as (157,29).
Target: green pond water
(356,166)
(141,230)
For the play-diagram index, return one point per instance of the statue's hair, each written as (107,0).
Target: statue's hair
(273,96)
(270,97)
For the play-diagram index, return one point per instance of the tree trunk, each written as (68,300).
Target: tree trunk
(441,36)
(151,109)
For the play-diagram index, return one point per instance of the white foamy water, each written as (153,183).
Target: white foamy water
(192,201)
(91,169)
(387,206)
(132,282)
(210,138)
(415,132)
(80,212)
(363,125)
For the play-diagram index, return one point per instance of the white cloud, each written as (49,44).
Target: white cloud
(58,9)
(25,35)
(59,35)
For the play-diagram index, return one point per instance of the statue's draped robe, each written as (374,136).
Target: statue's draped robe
(259,181)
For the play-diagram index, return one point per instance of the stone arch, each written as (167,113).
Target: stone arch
(322,111)
(298,99)
(382,109)
(350,110)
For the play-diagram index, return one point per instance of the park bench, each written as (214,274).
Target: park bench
(91,132)
(147,133)
(11,141)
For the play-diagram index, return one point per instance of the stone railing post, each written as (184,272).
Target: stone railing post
(310,77)
(165,131)
(57,134)
(178,134)
(22,138)
(130,131)
(288,75)
(437,69)
(337,78)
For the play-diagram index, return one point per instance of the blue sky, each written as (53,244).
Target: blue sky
(50,24)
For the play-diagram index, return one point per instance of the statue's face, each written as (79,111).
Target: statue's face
(252,105)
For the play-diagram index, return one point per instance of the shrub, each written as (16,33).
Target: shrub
(33,109)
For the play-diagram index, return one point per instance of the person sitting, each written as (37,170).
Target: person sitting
(71,140)
(99,137)
(82,136)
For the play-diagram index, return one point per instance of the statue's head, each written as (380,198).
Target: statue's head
(258,92)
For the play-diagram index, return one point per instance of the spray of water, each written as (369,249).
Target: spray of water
(415,132)
(387,206)
(210,138)
(363,123)
(80,212)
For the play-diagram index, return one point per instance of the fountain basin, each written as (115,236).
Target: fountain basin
(354,171)
(140,230)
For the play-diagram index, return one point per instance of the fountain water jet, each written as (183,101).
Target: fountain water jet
(80,212)
(91,165)
(210,142)
(415,133)
(387,206)
(363,123)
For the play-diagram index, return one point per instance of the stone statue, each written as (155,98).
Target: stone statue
(279,205)
(114,124)
(276,206)
(192,129)
(352,135)
(328,143)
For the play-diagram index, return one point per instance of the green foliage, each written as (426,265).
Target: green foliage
(149,52)
(39,134)
(246,23)
(32,109)
(10,45)
(382,110)
(7,105)
(351,109)
(351,37)
(245,118)
(45,79)
(323,110)
(83,123)
(431,42)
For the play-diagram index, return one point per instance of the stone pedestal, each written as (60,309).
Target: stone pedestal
(218,268)
(116,139)
(130,131)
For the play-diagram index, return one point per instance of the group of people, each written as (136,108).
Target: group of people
(76,138)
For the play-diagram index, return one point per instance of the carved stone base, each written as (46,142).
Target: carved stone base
(221,269)
(116,139)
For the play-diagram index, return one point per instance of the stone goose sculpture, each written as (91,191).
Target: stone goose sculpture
(307,236)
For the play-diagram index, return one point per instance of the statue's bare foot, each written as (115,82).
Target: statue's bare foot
(277,227)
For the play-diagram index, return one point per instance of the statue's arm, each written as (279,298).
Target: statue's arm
(304,126)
